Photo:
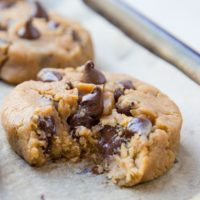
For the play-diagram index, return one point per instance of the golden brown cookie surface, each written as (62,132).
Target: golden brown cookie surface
(128,128)
(32,38)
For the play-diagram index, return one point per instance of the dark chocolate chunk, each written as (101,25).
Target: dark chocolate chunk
(28,31)
(92,75)
(49,76)
(53,25)
(110,141)
(47,124)
(79,119)
(6,3)
(127,84)
(92,104)
(117,93)
(39,11)
(90,108)
(140,126)
(125,110)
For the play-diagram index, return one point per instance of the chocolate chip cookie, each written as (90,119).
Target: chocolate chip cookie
(32,38)
(129,129)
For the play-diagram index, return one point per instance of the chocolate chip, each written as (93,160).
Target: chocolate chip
(39,11)
(53,25)
(125,110)
(142,126)
(49,76)
(127,84)
(79,119)
(92,75)
(6,3)
(117,93)
(69,83)
(110,141)
(28,31)
(90,108)
(92,103)
(47,124)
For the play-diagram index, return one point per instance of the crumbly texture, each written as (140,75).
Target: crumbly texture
(129,129)
(48,40)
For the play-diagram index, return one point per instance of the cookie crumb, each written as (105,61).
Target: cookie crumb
(97,169)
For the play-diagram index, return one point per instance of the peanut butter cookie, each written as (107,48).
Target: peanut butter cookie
(129,129)
(32,38)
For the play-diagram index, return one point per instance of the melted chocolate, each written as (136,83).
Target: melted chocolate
(78,119)
(92,103)
(90,108)
(47,124)
(110,141)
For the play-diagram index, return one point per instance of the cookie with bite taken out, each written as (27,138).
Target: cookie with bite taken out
(129,129)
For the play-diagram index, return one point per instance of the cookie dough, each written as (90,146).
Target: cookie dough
(32,39)
(129,129)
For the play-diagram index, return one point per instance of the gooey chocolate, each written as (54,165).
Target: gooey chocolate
(28,31)
(89,111)
(110,141)
(47,124)
(111,137)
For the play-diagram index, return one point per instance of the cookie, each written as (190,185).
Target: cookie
(32,39)
(129,129)
(5,4)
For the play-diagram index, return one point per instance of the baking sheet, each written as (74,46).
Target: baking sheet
(114,52)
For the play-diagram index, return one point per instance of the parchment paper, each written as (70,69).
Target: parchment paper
(114,52)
